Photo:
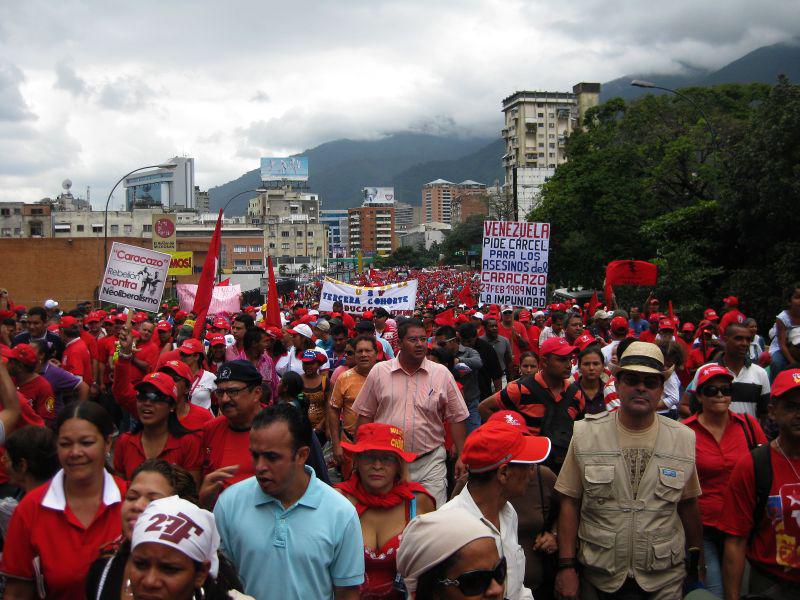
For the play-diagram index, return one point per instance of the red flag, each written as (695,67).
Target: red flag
(273,316)
(631,272)
(594,304)
(224,282)
(447,317)
(466,297)
(205,287)
(670,312)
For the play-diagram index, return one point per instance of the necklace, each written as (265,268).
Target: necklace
(778,444)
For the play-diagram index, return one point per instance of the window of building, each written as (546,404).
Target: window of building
(299,233)
(552,136)
(552,144)
(285,246)
(79,227)
(97,229)
(147,228)
(255,248)
(541,144)
(239,249)
(36,230)
(37,211)
(541,154)
(310,234)
(127,228)
(256,262)
(17,211)
(552,155)
(272,245)
(17,231)
(284,234)
(239,262)
(552,125)
(5,231)
(5,212)
(115,229)
(551,115)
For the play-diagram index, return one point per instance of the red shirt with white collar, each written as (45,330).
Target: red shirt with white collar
(43,526)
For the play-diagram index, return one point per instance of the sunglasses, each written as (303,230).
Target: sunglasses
(231,392)
(153,398)
(712,390)
(651,382)
(445,342)
(384,458)
(474,583)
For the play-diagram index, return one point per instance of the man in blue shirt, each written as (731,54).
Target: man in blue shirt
(636,322)
(288,534)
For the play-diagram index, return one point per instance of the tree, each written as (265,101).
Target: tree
(462,238)
(408,256)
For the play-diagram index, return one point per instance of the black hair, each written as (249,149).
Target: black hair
(246,319)
(37,447)
(729,329)
(623,345)
(365,337)
(572,315)
(252,337)
(467,331)
(591,349)
(557,316)
(487,319)
(380,312)
(71,332)
(338,330)
(365,325)
(404,327)
(179,479)
(174,426)
(429,580)
(787,293)
(8,322)
(674,352)
(292,383)
(42,313)
(446,331)
(297,422)
(444,356)
(528,354)
(88,411)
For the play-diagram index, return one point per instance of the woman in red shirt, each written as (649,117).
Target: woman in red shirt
(723,437)
(158,434)
(58,528)
(190,415)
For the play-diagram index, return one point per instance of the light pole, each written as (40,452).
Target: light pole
(169,166)
(260,190)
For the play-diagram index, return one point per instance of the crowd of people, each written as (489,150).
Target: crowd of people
(467,451)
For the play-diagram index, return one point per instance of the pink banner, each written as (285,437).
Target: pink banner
(224,299)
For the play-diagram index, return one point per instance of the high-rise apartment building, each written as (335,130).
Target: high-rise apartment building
(438,198)
(372,230)
(338,226)
(536,127)
(403,217)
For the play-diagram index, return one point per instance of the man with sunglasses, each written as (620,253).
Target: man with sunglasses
(498,456)
(629,492)
(226,439)
(467,365)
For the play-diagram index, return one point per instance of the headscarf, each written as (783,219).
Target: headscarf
(178,523)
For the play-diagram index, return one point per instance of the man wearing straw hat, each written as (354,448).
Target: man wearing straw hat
(629,494)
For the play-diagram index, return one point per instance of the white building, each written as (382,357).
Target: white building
(425,235)
(170,188)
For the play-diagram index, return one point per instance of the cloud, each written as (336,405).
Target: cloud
(125,93)
(260,96)
(12,104)
(67,79)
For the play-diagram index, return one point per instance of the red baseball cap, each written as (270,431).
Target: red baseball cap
(178,368)
(139,317)
(667,324)
(558,346)
(24,353)
(731,301)
(688,326)
(368,314)
(710,315)
(92,317)
(584,340)
(68,322)
(181,314)
(618,323)
(379,436)
(220,323)
(192,346)
(785,382)
(710,370)
(510,417)
(218,340)
(493,445)
(162,382)
(120,317)
(164,326)
(525,316)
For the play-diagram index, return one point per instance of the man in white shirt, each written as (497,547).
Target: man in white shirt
(498,456)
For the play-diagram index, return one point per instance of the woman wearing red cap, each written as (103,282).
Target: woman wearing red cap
(193,354)
(158,434)
(722,438)
(216,354)
(385,501)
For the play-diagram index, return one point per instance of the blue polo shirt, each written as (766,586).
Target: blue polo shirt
(297,553)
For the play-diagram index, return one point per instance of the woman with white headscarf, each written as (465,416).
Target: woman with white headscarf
(174,554)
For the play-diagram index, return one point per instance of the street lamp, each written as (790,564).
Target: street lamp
(260,190)
(170,166)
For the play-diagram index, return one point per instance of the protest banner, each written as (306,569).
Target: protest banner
(397,298)
(225,298)
(181,263)
(165,237)
(514,263)
(134,277)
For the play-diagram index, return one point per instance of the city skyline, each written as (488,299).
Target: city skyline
(90,90)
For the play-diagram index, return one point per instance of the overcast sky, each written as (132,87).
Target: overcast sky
(92,89)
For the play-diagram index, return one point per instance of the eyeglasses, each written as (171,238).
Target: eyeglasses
(445,342)
(712,390)
(384,458)
(231,392)
(473,583)
(152,398)
(416,340)
(651,382)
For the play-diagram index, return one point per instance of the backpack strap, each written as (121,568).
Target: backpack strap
(749,431)
(762,468)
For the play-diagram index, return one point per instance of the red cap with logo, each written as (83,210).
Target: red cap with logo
(68,322)
(618,324)
(179,368)
(688,326)
(558,346)
(711,370)
(731,301)
(379,436)
(218,340)
(710,315)
(510,417)
(493,445)
(92,317)
(220,323)
(192,346)
(24,353)
(785,382)
(666,325)
(162,382)
(584,340)
(164,326)
(525,316)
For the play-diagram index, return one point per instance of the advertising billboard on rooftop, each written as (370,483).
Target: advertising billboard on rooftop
(378,194)
(286,168)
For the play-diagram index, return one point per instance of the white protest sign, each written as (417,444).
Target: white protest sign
(397,298)
(135,277)
(514,263)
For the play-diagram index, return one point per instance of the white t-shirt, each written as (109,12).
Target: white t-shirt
(200,390)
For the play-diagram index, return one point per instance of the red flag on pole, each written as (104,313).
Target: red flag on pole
(446,317)
(670,312)
(224,282)
(631,272)
(594,304)
(466,297)
(273,316)
(205,287)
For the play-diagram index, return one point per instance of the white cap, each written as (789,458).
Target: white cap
(538,314)
(50,304)
(506,308)
(179,524)
(302,329)
(478,315)
(313,312)
(601,314)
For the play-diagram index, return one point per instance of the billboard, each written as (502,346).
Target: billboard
(134,277)
(164,235)
(286,168)
(181,263)
(378,194)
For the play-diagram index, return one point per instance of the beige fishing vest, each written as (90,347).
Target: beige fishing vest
(620,536)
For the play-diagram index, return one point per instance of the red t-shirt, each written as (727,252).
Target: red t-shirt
(105,350)
(506,333)
(148,352)
(39,393)
(534,333)
(77,360)
(27,416)
(648,336)
(782,560)
(91,343)
(196,418)
(224,447)
(43,525)
(183,451)
(715,461)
